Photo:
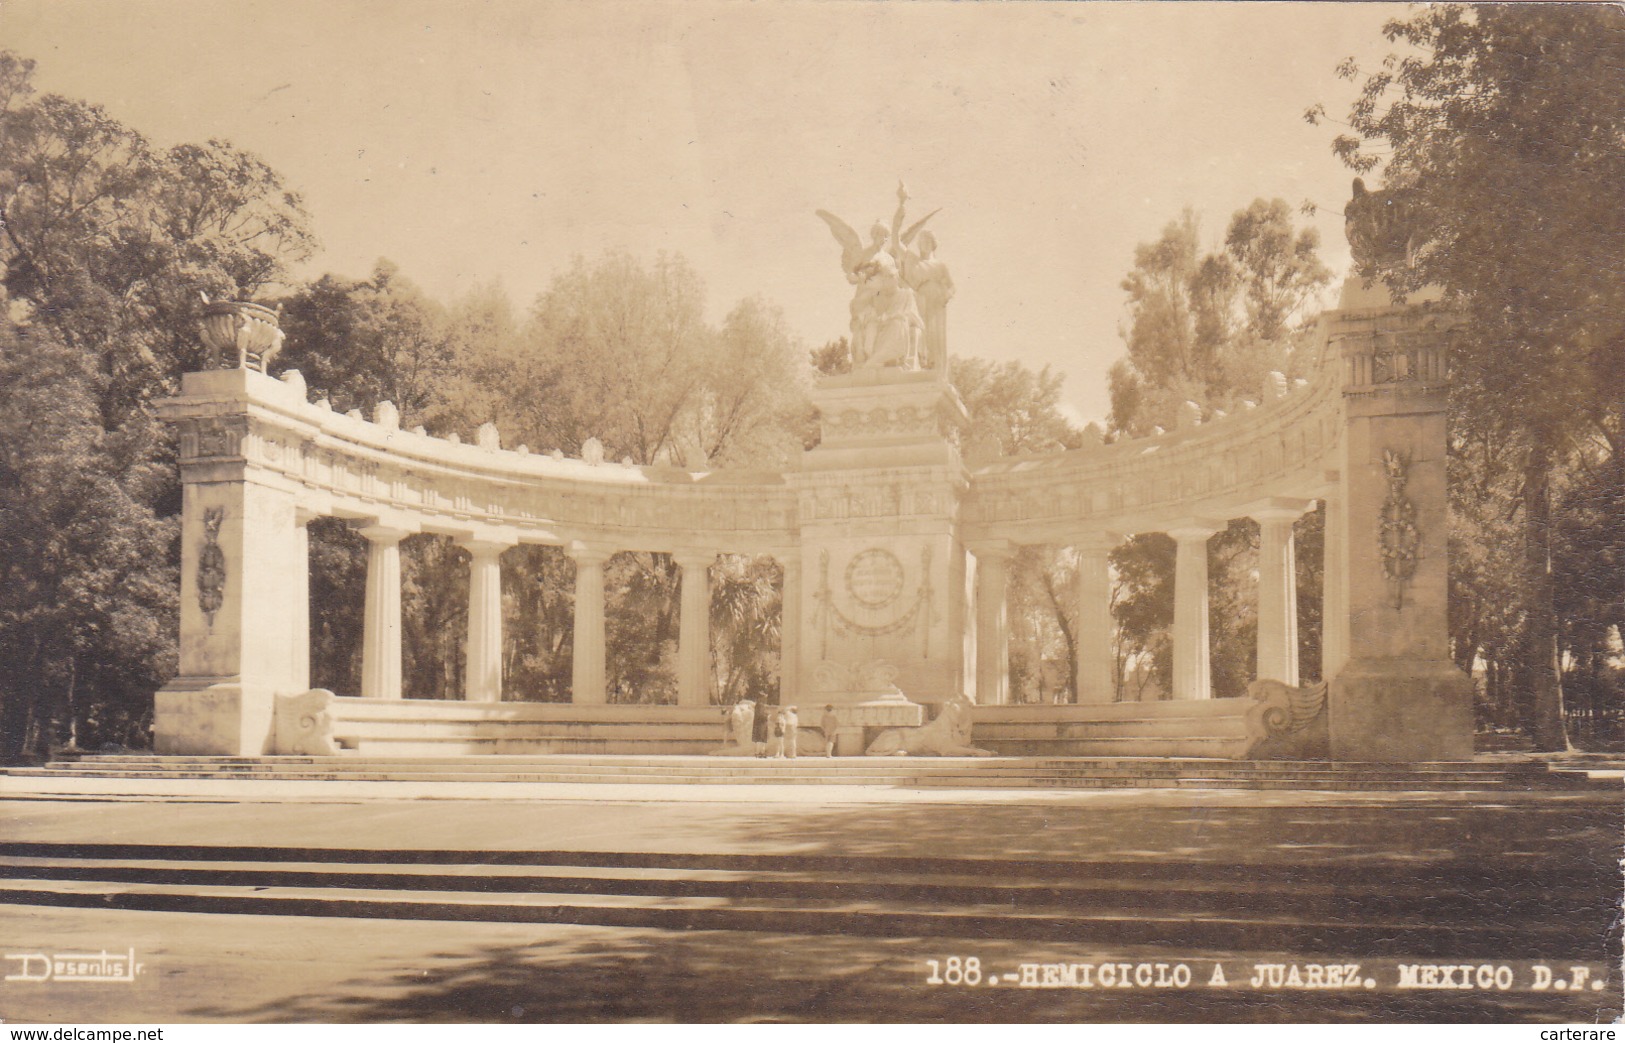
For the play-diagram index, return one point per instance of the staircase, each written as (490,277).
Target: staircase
(133,773)
(1439,907)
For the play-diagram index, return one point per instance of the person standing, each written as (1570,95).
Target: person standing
(827,724)
(778,735)
(791,723)
(759,726)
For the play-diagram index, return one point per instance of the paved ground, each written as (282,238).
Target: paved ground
(1119,824)
(240,968)
(245,969)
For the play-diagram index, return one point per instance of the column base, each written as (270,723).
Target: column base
(196,718)
(1400,710)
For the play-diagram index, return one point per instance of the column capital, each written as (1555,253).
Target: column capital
(1098,542)
(993,550)
(1194,530)
(588,553)
(1279,509)
(385,534)
(484,546)
(303,515)
(694,559)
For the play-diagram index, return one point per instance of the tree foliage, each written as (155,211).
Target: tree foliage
(1208,328)
(1500,132)
(105,244)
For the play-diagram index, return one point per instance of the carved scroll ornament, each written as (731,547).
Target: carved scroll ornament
(1397,534)
(211,565)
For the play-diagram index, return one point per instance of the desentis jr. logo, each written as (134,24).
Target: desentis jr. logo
(101,966)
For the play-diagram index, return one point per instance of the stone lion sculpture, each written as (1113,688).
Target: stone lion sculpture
(946,736)
(740,717)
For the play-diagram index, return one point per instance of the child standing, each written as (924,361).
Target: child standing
(828,723)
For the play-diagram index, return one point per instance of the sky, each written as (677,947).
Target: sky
(471,141)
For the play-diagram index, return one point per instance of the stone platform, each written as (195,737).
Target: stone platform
(520,776)
(454,728)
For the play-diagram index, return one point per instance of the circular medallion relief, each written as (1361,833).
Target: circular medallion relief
(874,578)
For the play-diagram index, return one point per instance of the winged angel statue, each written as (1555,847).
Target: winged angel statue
(887,328)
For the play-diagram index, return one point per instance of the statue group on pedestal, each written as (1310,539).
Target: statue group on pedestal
(899,305)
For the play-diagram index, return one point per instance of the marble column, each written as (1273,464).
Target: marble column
(1277,596)
(1094,672)
(381,635)
(482,675)
(694,629)
(299,646)
(790,629)
(587,643)
(992,623)
(1192,674)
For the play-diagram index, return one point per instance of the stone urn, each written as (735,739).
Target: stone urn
(241,335)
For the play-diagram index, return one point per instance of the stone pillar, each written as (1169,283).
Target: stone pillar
(694,629)
(992,623)
(1094,673)
(1334,611)
(482,677)
(1277,594)
(1192,675)
(587,644)
(790,630)
(381,629)
(299,599)
(1399,696)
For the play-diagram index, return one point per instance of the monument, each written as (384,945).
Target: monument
(894,550)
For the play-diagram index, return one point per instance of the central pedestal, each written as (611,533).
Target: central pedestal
(883,571)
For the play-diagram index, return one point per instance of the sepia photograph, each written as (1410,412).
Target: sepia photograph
(561,512)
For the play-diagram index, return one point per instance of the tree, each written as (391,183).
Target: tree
(1013,407)
(105,245)
(1498,133)
(109,242)
(1208,328)
(377,340)
(87,593)
(833,359)
(1015,410)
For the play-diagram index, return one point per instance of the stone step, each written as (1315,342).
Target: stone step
(1121,745)
(347,708)
(1313,891)
(800,767)
(1175,727)
(988,767)
(1132,763)
(1188,709)
(420,745)
(707,732)
(1469,875)
(1296,781)
(1294,930)
(658,767)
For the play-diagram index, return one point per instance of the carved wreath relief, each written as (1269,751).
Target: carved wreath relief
(1397,533)
(211,565)
(873,585)
(874,578)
